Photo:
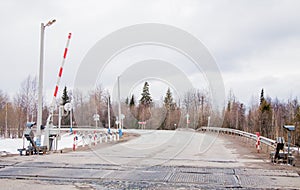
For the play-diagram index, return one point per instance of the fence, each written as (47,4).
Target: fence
(81,137)
(266,142)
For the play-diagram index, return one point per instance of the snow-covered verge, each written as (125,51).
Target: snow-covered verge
(11,146)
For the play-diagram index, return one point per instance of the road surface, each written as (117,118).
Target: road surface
(154,160)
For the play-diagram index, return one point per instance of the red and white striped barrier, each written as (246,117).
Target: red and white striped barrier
(93,138)
(61,69)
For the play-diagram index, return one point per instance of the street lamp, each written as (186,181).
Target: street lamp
(121,116)
(119,104)
(40,93)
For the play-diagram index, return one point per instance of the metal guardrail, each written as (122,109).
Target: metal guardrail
(264,140)
(79,129)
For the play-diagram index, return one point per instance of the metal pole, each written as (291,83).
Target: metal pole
(108,110)
(40,95)
(6,128)
(187,120)
(122,122)
(40,92)
(71,122)
(60,112)
(59,124)
(289,142)
(119,101)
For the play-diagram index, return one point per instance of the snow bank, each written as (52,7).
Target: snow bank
(11,145)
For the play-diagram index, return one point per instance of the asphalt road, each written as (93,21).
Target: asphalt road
(154,160)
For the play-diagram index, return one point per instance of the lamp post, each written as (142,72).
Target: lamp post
(108,113)
(187,120)
(119,104)
(121,116)
(40,92)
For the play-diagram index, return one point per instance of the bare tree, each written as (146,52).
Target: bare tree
(25,104)
(20,116)
(196,104)
(3,114)
(80,106)
(28,93)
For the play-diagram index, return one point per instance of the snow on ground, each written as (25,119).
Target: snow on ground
(11,146)
(66,141)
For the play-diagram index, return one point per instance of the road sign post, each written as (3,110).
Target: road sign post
(96,118)
(68,107)
(187,120)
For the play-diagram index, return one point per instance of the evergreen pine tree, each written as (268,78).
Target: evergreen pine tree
(262,98)
(134,112)
(132,101)
(265,116)
(143,111)
(172,116)
(65,97)
(168,101)
(146,99)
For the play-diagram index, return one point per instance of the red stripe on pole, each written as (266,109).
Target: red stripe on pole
(69,35)
(55,92)
(60,71)
(65,54)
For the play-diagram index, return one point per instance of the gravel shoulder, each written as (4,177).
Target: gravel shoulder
(245,149)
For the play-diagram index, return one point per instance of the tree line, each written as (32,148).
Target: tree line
(193,110)
(266,116)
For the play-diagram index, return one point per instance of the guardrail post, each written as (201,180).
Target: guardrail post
(258,142)
(114,137)
(83,140)
(95,137)
(90,140)
(118,137)
(75,141)
(100,138)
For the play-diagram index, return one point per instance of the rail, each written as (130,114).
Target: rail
(264,140)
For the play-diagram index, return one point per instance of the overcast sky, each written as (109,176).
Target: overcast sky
(256,44)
